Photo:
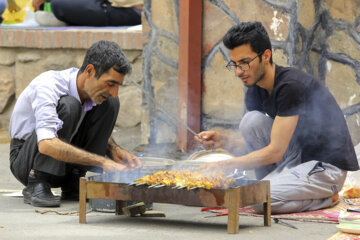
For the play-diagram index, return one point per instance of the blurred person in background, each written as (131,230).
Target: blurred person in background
(10,5)
(95,12)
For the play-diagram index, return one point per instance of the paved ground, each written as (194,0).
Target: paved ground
(20,221)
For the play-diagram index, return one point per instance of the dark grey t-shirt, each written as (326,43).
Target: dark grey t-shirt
(321,131)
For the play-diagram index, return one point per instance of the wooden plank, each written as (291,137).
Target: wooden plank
(82,200)
(233,203)
(133,210)
(232,198)
(153,213)
(267,206)
(119,191)
(251,194)
(189,71)
(254,193)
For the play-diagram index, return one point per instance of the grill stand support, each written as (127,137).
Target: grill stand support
(232,198)
(82,200)
(233,205)
(267,206)
(119,204)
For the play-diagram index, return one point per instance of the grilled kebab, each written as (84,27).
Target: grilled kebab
(186,179)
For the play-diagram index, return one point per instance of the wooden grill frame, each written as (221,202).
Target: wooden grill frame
(231,198)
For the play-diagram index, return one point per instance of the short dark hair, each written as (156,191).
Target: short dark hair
(252,33)
(105,55)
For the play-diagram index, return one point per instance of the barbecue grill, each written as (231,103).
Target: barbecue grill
(242,193)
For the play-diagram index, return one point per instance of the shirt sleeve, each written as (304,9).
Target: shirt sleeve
(290,99)
(44,101)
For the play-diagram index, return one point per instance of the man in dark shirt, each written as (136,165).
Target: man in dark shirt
(294,131)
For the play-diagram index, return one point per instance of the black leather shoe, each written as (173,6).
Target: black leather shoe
(38,193)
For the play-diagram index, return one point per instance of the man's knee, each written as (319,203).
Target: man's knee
(69,108)
(69,111)
(19,172)
(111,107)
(253,121)
(113,103)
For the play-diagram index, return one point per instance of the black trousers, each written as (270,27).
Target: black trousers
(94,13)
(92,136)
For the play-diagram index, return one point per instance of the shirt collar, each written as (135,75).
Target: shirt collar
(88,104)
(73,86)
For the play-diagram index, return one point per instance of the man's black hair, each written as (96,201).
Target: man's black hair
(252,33)
(105,55)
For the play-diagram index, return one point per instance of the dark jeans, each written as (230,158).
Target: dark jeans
(92,136)
(94,13)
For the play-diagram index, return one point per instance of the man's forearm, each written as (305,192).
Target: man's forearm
(65,152)
(111,146)
(233,142)
(258,158)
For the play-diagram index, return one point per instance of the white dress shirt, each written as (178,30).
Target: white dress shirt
(36,105)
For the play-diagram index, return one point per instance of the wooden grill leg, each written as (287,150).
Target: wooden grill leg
(233,205)
(82,200)
(119,204)
(267,206)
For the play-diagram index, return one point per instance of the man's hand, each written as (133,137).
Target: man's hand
(125,158)
(225,166)
(210,139)
(37,3)
(111,166)
(122,156)
(209,167)
(65,152)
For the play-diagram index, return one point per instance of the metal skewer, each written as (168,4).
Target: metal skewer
(240,177)
(277,220)
(174,119)
(140,184)
(347,201)
(193,188)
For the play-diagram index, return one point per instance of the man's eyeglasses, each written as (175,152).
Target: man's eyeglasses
(231,66)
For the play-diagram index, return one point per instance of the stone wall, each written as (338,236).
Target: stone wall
(27,53)
(321,37)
